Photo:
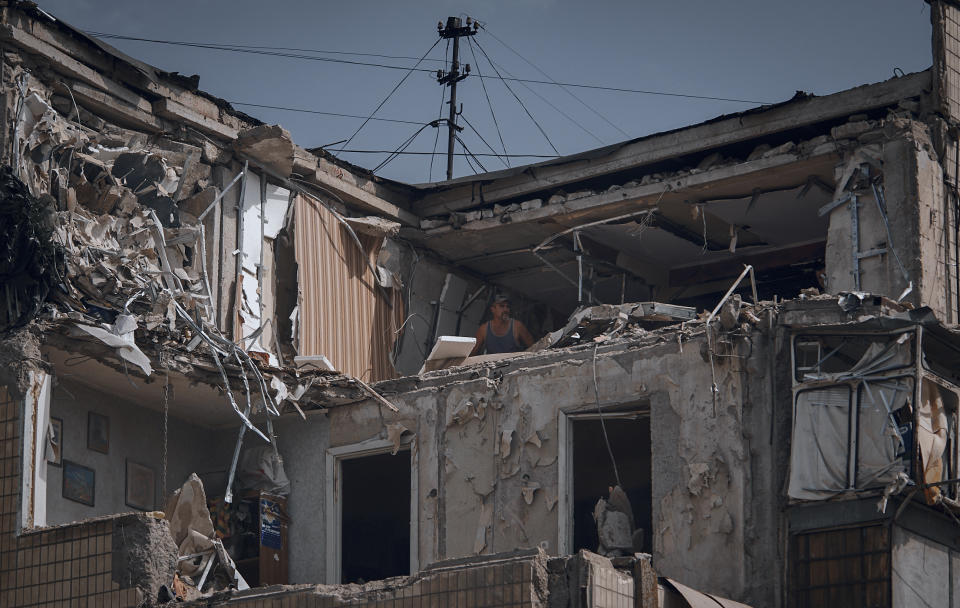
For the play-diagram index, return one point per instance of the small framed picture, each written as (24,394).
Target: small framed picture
(55,442)
(78,483)
(98,433)
(141,486)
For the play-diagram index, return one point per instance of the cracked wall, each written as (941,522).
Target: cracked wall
(488,447)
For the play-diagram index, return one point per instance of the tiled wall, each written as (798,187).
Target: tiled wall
(69,565)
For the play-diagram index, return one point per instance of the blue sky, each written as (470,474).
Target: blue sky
(760,51)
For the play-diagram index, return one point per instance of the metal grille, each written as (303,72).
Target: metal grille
(845,567)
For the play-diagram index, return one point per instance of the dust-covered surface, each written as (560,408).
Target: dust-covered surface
(144,554)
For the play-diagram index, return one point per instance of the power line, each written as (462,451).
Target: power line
(559,111)
(236,49)
(489,103)
(472,128)
(429,71)
(394,90)
(266,48)
(544,133)
(426,153)
(471,154)
(258,105)
(400,148)
(548,77)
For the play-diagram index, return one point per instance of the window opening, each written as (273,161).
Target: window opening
(819,356)
(593,475)
(941,357)
(375,517)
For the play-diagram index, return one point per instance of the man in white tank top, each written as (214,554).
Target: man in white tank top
(501,334)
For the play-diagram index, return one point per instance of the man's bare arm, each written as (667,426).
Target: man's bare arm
(523,335)
(481,336)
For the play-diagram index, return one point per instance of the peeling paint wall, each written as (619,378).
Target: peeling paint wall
(488,441)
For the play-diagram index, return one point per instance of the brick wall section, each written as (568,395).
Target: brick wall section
(504,583)
(70,565)
(945,19)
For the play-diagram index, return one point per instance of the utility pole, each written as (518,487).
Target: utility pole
(454,30)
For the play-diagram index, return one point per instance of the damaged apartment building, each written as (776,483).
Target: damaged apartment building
(231,370)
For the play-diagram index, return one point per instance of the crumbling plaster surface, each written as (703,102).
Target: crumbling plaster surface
(488,453)
(912,188)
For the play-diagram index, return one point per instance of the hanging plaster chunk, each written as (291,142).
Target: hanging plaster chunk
(486,521)
(528,489)
(395,433)
(505,438)
(534,439)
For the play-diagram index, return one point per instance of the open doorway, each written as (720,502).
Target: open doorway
(593,475)
(372,526)
(375,517)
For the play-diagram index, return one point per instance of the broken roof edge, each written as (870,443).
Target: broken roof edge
(177,83)
(495,186)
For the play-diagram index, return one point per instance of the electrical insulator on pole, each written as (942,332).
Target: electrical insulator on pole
(454,30)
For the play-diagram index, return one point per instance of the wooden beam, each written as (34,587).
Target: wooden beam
(555,174)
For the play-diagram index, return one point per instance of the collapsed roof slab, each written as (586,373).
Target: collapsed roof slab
(501,250)
(725,130)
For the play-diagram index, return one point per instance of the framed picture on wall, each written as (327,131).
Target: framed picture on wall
(98,433)
(141,486)
(78,483)
(55,442)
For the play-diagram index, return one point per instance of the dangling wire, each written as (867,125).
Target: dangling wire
(603,425)
(166,415)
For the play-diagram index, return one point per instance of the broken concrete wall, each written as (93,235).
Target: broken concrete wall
(517,579)
(32,563)
(487,444)
(900,165)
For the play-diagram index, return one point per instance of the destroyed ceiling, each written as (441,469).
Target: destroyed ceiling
(761,210)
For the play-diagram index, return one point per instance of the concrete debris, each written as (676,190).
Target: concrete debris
(190,525)
(614,519)
(269,145)
(589,322)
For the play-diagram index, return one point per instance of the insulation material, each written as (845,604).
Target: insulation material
(343,313)
(878,441)
(823,460)
(264,210)
(818,455)
(932,425)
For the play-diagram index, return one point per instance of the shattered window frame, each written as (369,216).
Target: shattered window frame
(857,382)
(800,374)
